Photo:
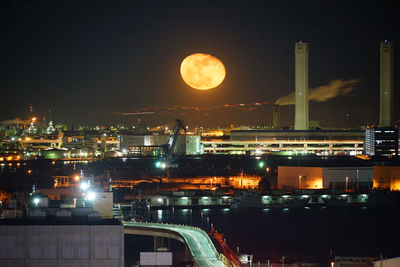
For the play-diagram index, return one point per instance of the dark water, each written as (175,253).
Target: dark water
(299,234)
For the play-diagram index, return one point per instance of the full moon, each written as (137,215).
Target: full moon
(202,71)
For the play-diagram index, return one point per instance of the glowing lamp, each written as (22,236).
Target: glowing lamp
(36,201)
(84,186)
(261,164)
(91,196)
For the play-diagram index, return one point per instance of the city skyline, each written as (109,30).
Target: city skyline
(91,62)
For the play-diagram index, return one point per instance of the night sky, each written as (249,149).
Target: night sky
(88,61)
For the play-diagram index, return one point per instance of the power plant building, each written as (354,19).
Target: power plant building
(320,142)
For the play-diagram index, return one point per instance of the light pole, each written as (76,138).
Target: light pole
(347,184)
(299,181)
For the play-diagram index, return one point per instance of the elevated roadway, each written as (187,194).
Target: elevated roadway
(199,243)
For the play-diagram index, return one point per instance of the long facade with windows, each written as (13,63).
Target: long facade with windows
(320,142)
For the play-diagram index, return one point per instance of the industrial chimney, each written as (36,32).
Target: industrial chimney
(276,116)
(301,86)
(386,85)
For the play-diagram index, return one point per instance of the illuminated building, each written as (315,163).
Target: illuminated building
(129,140)
(386,84)
(387,177)
(382,141)
(54,153)
(50,129)
(320,142)
(34,143)
(152,145)
(301,86)
(91,139)
(311,177)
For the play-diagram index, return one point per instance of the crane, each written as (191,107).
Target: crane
(227,251)
(168,149)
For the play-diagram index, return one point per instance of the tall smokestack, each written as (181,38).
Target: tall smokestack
(386,85)
(301,84)
(276,118)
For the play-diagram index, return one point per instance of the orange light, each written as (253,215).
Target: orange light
(9,158)
(29,171)
(77,178)
(34,119)
(1,159)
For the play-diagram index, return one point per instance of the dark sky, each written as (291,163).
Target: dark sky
(87,60)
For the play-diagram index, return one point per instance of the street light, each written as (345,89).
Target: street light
(36,201)
(84,185)
(91,196)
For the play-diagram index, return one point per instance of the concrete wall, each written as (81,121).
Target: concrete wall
(394,262)
(293,177)
(103,203)
(354,174)
(61,245)
(299,177)
(193,146)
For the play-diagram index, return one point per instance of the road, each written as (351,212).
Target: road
(198,242)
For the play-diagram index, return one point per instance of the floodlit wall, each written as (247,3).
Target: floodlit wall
(193,146)
(299,177)
(394,262)
(61,245)
(386,177)
(136,140)
(185,144)
(103,203)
